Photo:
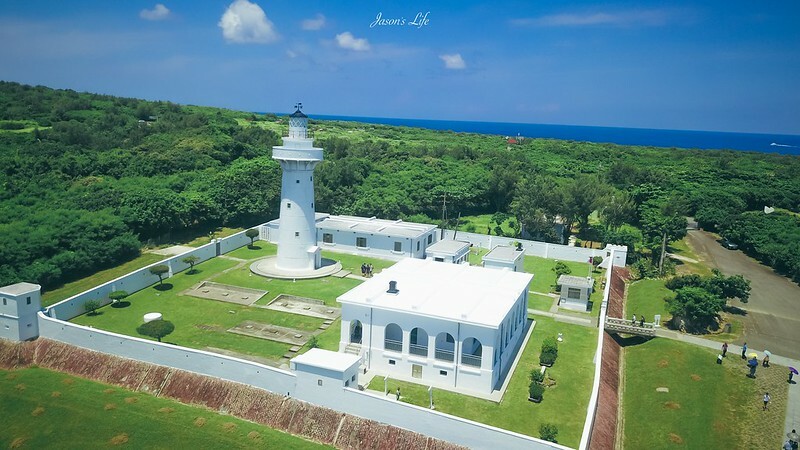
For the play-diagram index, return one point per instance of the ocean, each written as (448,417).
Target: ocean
(705,140)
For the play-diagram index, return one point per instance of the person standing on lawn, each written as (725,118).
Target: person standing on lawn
(767,398)
(724,348)
(744,350)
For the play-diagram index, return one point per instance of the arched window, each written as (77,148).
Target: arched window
(445,347)
(355,332)
(418,344)
(393,338)
(471,352)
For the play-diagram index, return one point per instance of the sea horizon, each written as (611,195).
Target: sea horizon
(785,144)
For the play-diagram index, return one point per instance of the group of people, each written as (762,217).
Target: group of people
(641,321)
(366,270)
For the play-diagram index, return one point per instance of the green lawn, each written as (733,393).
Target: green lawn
(544,279)
(540,302)
(44,409)
(476,255)
(707,406)
(219,233)
(84,284)
(201,323)
(481,224)
(564,404)
(682,248)
(647,297)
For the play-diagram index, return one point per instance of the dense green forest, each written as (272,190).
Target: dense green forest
(87,179)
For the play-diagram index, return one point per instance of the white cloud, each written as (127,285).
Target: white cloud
(454,61)
(159,12)
(245,23)
(314,24)
(654,17)
(350,42)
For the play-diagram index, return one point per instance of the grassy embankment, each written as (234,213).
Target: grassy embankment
(44,409)
(707,406)
(564,403)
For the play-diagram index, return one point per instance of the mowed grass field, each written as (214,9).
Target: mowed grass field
(544,279)
(563,405)
(201,323)
(647,297)
(45,409)
(707,406)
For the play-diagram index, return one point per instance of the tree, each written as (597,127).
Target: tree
(616,209)
(661,223)
(596,261)
(583,196)
(117,296)
(160,270)
(536,205)
(156,328)
(561,269)
(548,432)
(90,306)
(252,233)
(695,304)
(191,260)
(735,286)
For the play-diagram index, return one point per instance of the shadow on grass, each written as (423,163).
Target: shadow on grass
(194,271)
(163,287)
(630,340)
(254,247)
(734,310)
(121,304)
(94,313)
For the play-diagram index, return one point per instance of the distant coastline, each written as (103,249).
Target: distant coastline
(704,140)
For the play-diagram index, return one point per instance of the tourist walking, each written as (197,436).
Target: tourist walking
(363,269)
(724,348)
(398,392)
(641,321)
(633,321)
(765,361)
(767,398)
(744,350)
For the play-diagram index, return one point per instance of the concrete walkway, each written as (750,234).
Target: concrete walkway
(793,399)
(586,322)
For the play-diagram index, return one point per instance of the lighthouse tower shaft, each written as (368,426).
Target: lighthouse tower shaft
(297,233)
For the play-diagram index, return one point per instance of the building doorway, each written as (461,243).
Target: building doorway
(355,332)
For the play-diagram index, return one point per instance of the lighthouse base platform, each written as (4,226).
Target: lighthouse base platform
(267,267)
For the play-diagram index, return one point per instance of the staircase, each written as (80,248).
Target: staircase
(353,349)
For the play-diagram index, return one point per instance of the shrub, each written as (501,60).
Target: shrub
(550,344)
(90,306)
(537,376)
(548,358)
(548,432)
(535,391)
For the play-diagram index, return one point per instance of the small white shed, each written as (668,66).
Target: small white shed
(575,292)
(504,257)
(449,251)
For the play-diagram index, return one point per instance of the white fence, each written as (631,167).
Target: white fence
(591,410)
(142,278)
(536,248)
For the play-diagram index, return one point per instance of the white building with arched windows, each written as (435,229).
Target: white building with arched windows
(448,325)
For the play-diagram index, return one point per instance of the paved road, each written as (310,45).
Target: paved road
(773,313)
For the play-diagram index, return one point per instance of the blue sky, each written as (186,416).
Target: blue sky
(727,66)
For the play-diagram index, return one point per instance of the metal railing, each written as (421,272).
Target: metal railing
(471,360)
(630,327)
(444,355)
(420,350)
(391,344)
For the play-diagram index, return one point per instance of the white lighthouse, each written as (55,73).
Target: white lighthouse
(297,234)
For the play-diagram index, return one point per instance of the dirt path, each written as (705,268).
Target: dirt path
(773,313)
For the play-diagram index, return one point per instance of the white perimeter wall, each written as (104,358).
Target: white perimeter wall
(535,248)
(142,278)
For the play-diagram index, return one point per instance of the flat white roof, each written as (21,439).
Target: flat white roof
(19,288)
(455,292)
(372,225)
(571,280)
(447,246)
(327,359)
(504,253)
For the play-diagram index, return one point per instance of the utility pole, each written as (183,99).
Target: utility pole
(444,214)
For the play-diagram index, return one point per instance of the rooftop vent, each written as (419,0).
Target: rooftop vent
(393,287)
